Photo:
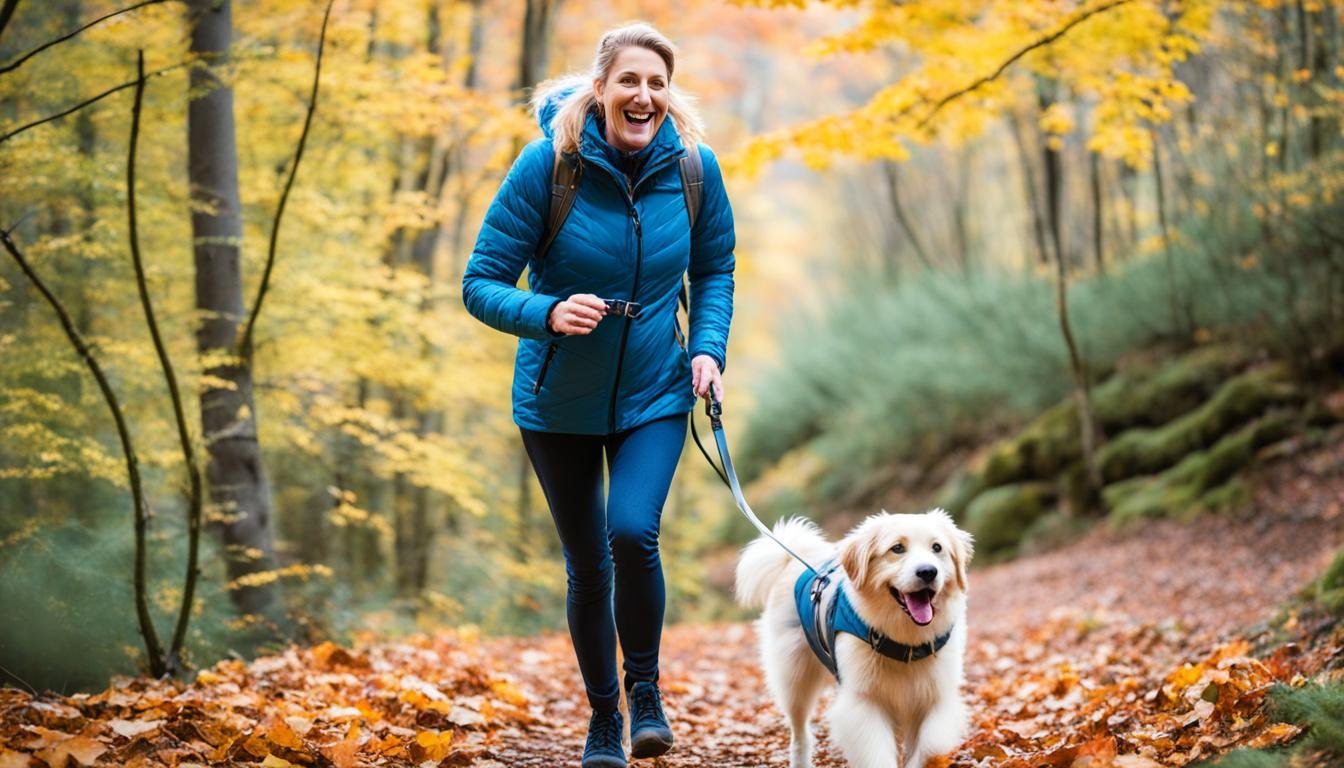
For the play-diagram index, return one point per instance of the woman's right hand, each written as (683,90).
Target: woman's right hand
(578,315)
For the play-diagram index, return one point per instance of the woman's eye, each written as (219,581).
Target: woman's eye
(899,549)
(937,547)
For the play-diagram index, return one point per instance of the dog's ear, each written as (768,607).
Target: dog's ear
(856,553)
(963,547)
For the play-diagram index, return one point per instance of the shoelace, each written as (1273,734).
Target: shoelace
(649,704)
(605,730)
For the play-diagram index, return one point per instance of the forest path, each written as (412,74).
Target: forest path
(1135,650)
(1068,647)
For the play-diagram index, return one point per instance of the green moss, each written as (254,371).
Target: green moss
(1197,482)
(1041,450)
(1333,578)
(1145,451)
(999,516)
(1145,396)
(956,494)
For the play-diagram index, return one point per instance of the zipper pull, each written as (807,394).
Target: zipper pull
(639,232)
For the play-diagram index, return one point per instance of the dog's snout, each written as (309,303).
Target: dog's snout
(927,573)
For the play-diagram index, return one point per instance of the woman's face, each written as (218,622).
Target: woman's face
(633,98)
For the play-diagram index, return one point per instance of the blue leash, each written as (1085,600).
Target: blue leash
(714,409)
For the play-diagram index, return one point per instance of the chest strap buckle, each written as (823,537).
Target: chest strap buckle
(623,308)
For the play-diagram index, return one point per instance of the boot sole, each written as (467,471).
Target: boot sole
(650,743)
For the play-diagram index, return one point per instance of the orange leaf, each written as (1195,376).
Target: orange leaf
(83,749)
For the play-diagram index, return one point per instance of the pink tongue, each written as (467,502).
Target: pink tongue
(921,610)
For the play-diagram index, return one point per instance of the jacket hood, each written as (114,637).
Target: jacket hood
(550,104)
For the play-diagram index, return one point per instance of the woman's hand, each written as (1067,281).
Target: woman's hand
(704,374)
(578,315)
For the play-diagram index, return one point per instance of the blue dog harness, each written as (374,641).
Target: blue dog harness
(825,610)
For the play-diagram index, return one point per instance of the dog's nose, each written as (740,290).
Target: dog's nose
(927,573)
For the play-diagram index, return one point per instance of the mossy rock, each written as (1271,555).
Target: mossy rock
(1041,450)
(956,494)
(1152,397)
(999,516)
(1145,451)
(1050,443)
(1333,578)
(1200,480)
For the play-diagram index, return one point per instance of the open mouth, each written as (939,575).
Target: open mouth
(638,118)
(917,605)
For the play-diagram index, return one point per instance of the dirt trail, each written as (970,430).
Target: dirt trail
(1109,607)
(1131,644)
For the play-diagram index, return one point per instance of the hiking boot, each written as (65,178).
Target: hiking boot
(650,735)
(603,748)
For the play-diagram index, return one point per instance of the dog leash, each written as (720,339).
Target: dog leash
(714,410)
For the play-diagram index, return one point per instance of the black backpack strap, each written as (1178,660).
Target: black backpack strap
(565,174)
(693,182)
(693,188)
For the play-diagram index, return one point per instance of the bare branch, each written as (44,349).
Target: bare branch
(174,658)
(141,510)
(1044,41)
(245,344)
(7,136)
(5,12)
(19,61)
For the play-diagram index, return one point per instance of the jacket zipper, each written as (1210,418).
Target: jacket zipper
(550,353)
(625,332)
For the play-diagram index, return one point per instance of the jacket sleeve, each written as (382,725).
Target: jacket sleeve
(508,239)
(711,270)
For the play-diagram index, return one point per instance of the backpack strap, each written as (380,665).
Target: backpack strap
(693,182)
(693,188)
(565,174)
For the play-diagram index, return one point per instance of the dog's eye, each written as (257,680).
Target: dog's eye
(899,549)
(937,547)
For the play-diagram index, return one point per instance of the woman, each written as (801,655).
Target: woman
(597,377)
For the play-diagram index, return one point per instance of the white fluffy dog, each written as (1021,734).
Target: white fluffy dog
(905,576)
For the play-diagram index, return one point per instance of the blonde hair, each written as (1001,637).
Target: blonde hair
(567,125)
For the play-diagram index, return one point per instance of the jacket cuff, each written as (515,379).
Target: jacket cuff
(535,312)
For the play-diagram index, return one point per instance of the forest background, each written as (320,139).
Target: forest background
(919,188)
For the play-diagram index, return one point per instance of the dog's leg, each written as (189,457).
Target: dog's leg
(796,678)
(862,732)
(941,731)
(798,704)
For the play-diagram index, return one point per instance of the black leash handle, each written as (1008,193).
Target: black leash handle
(714,410)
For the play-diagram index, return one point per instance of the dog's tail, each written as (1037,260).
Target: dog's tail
(763,563)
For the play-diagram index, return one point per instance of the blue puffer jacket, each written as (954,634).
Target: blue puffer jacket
(620,241)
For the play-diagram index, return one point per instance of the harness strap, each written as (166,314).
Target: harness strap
(822,620)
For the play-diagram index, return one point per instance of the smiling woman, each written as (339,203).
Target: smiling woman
(605,377)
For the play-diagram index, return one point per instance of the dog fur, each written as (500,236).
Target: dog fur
(882,704)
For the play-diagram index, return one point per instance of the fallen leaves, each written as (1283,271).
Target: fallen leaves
(1104,677)
(424,700)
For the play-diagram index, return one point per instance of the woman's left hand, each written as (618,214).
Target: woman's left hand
(704,374)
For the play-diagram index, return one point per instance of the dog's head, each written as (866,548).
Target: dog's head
(915,561)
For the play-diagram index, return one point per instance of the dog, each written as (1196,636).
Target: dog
(905,577)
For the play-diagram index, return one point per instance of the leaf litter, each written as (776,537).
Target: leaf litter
(1146,648)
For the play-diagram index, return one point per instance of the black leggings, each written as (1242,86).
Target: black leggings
(615,540)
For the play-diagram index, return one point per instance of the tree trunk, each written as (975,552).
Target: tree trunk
(239,493)
(1029,191)
(1179,326)
(1098,214)
(891,172)
(534,56)
(1054,180)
